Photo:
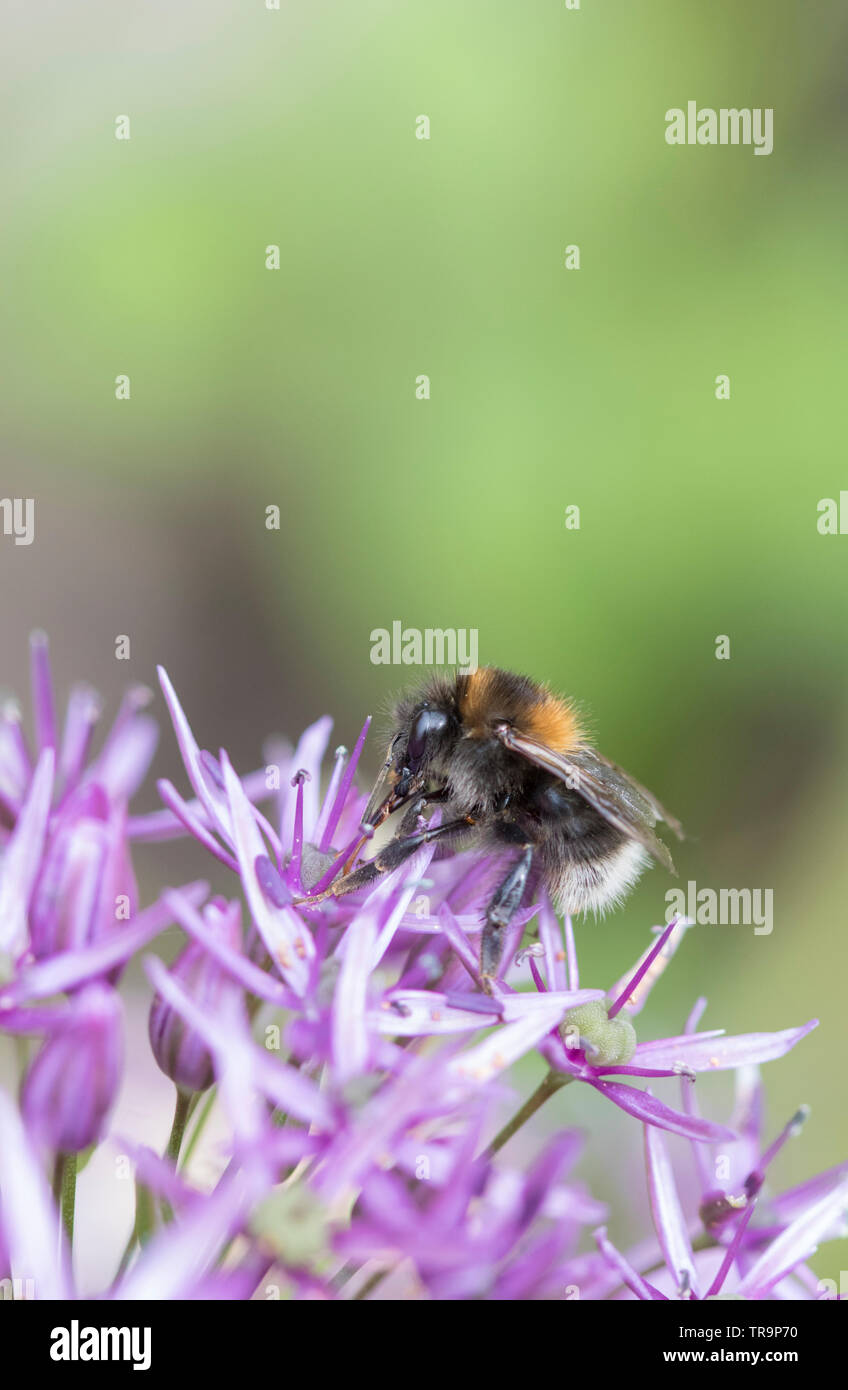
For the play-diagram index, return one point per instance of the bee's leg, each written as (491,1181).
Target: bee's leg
(499,914)
(393,854)
(418,807)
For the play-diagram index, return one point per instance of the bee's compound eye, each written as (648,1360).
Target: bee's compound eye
(429,721)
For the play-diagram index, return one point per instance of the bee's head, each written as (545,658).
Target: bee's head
(425,730)
(430,732)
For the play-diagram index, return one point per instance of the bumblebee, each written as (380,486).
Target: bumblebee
(507,761)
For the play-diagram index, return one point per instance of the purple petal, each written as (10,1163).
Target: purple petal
(292,1091)
(182,810)
(213,801)
(289,943)
(156,1173)
(71,968)
(469,889)
(503,1047)
(243,1067)
(164,825)
(571,954)
(44,713)
(634,1281)
(797,1242)
(156,826)
(136,699)
(349,1019)
(64,906)
(15,762)
(174,1261)
(22,858)
(662,1045)
(459,942)
(123,762)
(790,1204)
(32,1021)
(213,768)
(652,1112)
(470,924)
(526,1003)
(411,1013)
(84,711)
(30,1221)
(228,1039)
(271,882)
(322,839)
(700,1052)
(556,1159)
(550,935)
(395,893)
(417,1093)
(669,1221)
(254,980)
(339,801)
(703,1161)
(744,1158)
(484,1004)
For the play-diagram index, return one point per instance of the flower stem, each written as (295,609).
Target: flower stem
(142,1227)
(145,1206)
(65,1190)
(202,1116)
(547,1087)
(182,1110)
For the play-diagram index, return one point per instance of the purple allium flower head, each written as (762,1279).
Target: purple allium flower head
(368,966)
(745,1167)
(596,1042)
(363,1129)
(71,1085)
(369,978)
(65,872)
(732,1255)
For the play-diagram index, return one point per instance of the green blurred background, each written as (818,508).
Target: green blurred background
(549,387)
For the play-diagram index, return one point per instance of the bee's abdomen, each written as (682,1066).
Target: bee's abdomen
(572,821)
(587,863)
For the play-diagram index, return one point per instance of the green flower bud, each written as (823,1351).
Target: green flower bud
(609,1041)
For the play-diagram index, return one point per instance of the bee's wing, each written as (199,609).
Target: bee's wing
(625,780)
(620,800)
